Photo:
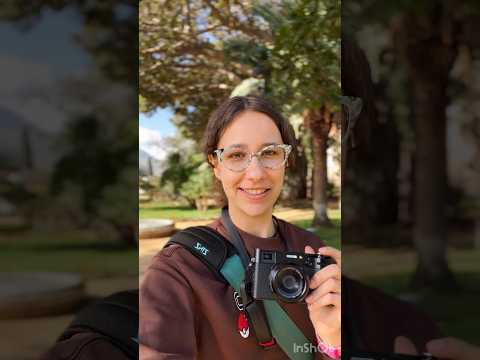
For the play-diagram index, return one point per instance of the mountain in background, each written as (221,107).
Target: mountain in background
(149,165)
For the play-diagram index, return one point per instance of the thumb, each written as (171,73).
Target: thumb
(405,346)
(309,250)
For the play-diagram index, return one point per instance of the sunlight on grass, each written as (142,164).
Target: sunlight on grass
(156,210)
(331,236)
(89,254)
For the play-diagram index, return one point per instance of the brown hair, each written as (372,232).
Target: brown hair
(231,108)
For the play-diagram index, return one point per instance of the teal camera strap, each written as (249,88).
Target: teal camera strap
(288,336)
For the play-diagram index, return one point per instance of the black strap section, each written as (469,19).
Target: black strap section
(255,311)
(235,237)
(115,317)
(213,249)
(351,338)
(206,244)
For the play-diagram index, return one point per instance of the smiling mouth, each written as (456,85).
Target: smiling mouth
(255,191)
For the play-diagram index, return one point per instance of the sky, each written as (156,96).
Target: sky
(33,63)
(152,129)
(44,44)
(45,58)
(159,121)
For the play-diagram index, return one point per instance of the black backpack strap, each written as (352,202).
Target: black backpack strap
(207,245)
(115,317)
(213,249)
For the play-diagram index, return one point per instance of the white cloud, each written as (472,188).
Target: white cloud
(152,142)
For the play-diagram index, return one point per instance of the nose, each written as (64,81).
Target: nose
(254,170)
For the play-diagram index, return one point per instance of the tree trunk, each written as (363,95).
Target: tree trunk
(320,183)
(296,180)
(429,60)
(430,230)
(320,122)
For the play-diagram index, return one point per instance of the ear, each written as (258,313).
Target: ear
(214,163)
(212,160)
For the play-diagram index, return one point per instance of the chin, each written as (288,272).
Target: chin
(254,210)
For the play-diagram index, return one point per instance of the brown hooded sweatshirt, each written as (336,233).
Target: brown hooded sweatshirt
(186,313)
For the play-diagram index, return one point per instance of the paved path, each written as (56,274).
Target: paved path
(149,247)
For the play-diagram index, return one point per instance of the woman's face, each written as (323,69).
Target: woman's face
(252,192)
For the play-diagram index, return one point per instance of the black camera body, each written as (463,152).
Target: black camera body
(285,276)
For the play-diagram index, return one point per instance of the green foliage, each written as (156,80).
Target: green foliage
(306,53)
(182,63)
(187,175)
(99,163)
(199,184)
(179,168)
(193,54)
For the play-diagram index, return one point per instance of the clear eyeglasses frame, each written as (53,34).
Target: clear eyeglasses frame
(270,157)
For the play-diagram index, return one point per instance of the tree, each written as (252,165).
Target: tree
(426,37)
(182,61)
(101,156)
(300,67)
(306,71)
(193,54)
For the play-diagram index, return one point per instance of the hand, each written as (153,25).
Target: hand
(445,348)
(454,349)
(325,301)
(404,345)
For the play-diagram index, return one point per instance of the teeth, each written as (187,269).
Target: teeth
(255,191)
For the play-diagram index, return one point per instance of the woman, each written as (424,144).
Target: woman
(185,311)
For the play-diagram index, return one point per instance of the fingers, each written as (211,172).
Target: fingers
(330,271)
(330,285)
(335,254)
(452,348)
(329,299)
(405,346)
(309,250)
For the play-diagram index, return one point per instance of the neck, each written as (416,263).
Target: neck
(261,225)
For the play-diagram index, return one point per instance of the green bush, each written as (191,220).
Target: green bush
(198,186)
(188,176)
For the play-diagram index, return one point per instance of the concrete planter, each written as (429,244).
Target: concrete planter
(156,228)
(33,294)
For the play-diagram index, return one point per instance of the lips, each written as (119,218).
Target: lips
(255,193)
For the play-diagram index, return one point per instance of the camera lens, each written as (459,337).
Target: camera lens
(289,283)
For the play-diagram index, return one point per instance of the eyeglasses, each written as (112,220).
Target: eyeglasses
(237,158)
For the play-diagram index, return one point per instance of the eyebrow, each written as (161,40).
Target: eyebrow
(244,145)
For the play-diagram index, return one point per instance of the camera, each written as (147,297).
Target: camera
(285,275)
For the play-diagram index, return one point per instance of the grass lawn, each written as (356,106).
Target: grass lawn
(156,210)
(331,236)
(90,256)
(456,313)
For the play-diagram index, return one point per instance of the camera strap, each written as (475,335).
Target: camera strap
(223,259)
(235,238)
(284,330)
